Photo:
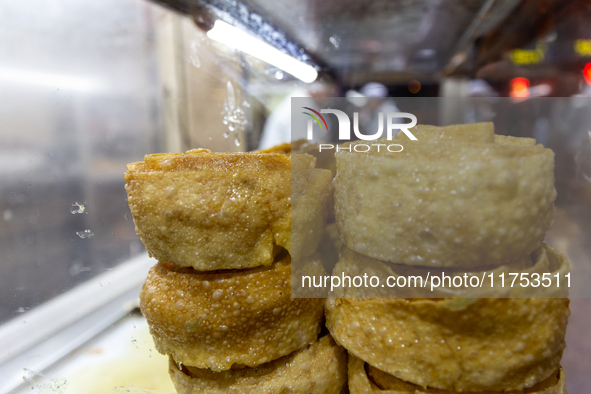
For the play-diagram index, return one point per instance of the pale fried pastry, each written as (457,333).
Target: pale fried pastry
(365,379)
(445,202)
(330,246)
(540,269)
(325,157)
(496,344)
(320,368)
(218,319)
(310,191)
(514,141)
(465,133)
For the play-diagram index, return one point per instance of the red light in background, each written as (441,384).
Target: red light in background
(587,73)
(519,87)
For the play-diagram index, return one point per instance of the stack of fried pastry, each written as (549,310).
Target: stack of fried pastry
(458,198)
(219,302)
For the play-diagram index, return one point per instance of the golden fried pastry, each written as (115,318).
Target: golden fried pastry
(496,344)
(365,379)
(302,162)
(540,269)
(321,368)
(444,202)
(211,210)
(222,210)
(284,148)
(310,191)
(324,159)
(217,319)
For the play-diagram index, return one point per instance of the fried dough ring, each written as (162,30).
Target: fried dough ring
(544,260)
(217,319)
(365,379)
(320,368)
(215,211)
(442,202)
(455,344)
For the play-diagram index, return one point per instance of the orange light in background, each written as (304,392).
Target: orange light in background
(587,73)
(414,86)
(519,88)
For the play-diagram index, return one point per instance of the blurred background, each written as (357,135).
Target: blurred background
(88,86)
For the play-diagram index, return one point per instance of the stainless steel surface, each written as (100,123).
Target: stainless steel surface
(49,333)
(360,41)
(78,101)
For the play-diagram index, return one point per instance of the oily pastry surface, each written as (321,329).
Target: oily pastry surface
(455,344)
(540,267)
(446,200)
(320,368)
(217,319)
(211,210)
(214,211)
(365,379)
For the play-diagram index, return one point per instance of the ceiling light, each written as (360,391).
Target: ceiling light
(238,39)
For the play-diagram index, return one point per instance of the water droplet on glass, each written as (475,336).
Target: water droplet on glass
(85,234)
(77,208)
(193,58)
(233,115)
(21,310)
(231,96)
(237,141)
(583,157)
(7,215)
(246,104)
(335,41)
(279,74)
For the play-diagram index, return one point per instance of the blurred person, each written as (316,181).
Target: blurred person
(481,106)
(278,128)
(377,102)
